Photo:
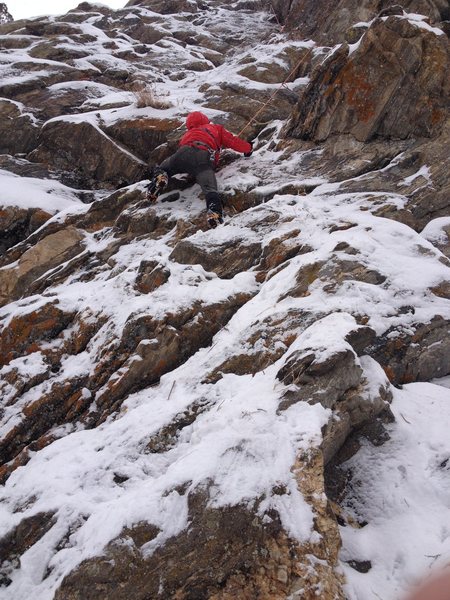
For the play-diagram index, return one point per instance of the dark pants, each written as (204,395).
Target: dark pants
(198,163)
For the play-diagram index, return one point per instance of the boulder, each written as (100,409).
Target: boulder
(312,379)
(394,85)
(87,155)
(150,276)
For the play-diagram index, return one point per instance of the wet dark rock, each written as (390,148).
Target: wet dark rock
(362,566)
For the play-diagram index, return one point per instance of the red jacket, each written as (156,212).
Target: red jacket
(209,135)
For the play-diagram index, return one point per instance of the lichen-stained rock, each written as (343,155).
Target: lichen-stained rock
(23,334)
(86,155)
(48,253)
(393,85)
(327,21)
(18,129)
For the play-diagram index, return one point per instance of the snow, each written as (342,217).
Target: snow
(424,172)
(402,490)
(30,192)
(435,232)
(243,461)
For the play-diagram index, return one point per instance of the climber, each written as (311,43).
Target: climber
(198,155)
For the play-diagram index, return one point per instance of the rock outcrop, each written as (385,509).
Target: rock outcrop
(392,86)
(328,22)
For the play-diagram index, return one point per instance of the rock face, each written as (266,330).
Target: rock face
(174,399)
(328,21)
(393,86)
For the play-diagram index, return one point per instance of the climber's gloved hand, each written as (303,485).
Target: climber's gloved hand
(247,154)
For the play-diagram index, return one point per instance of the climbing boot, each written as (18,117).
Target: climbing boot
(214,214)
(214,218)
(157,184)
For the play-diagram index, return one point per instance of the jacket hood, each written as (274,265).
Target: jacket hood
(196,119)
